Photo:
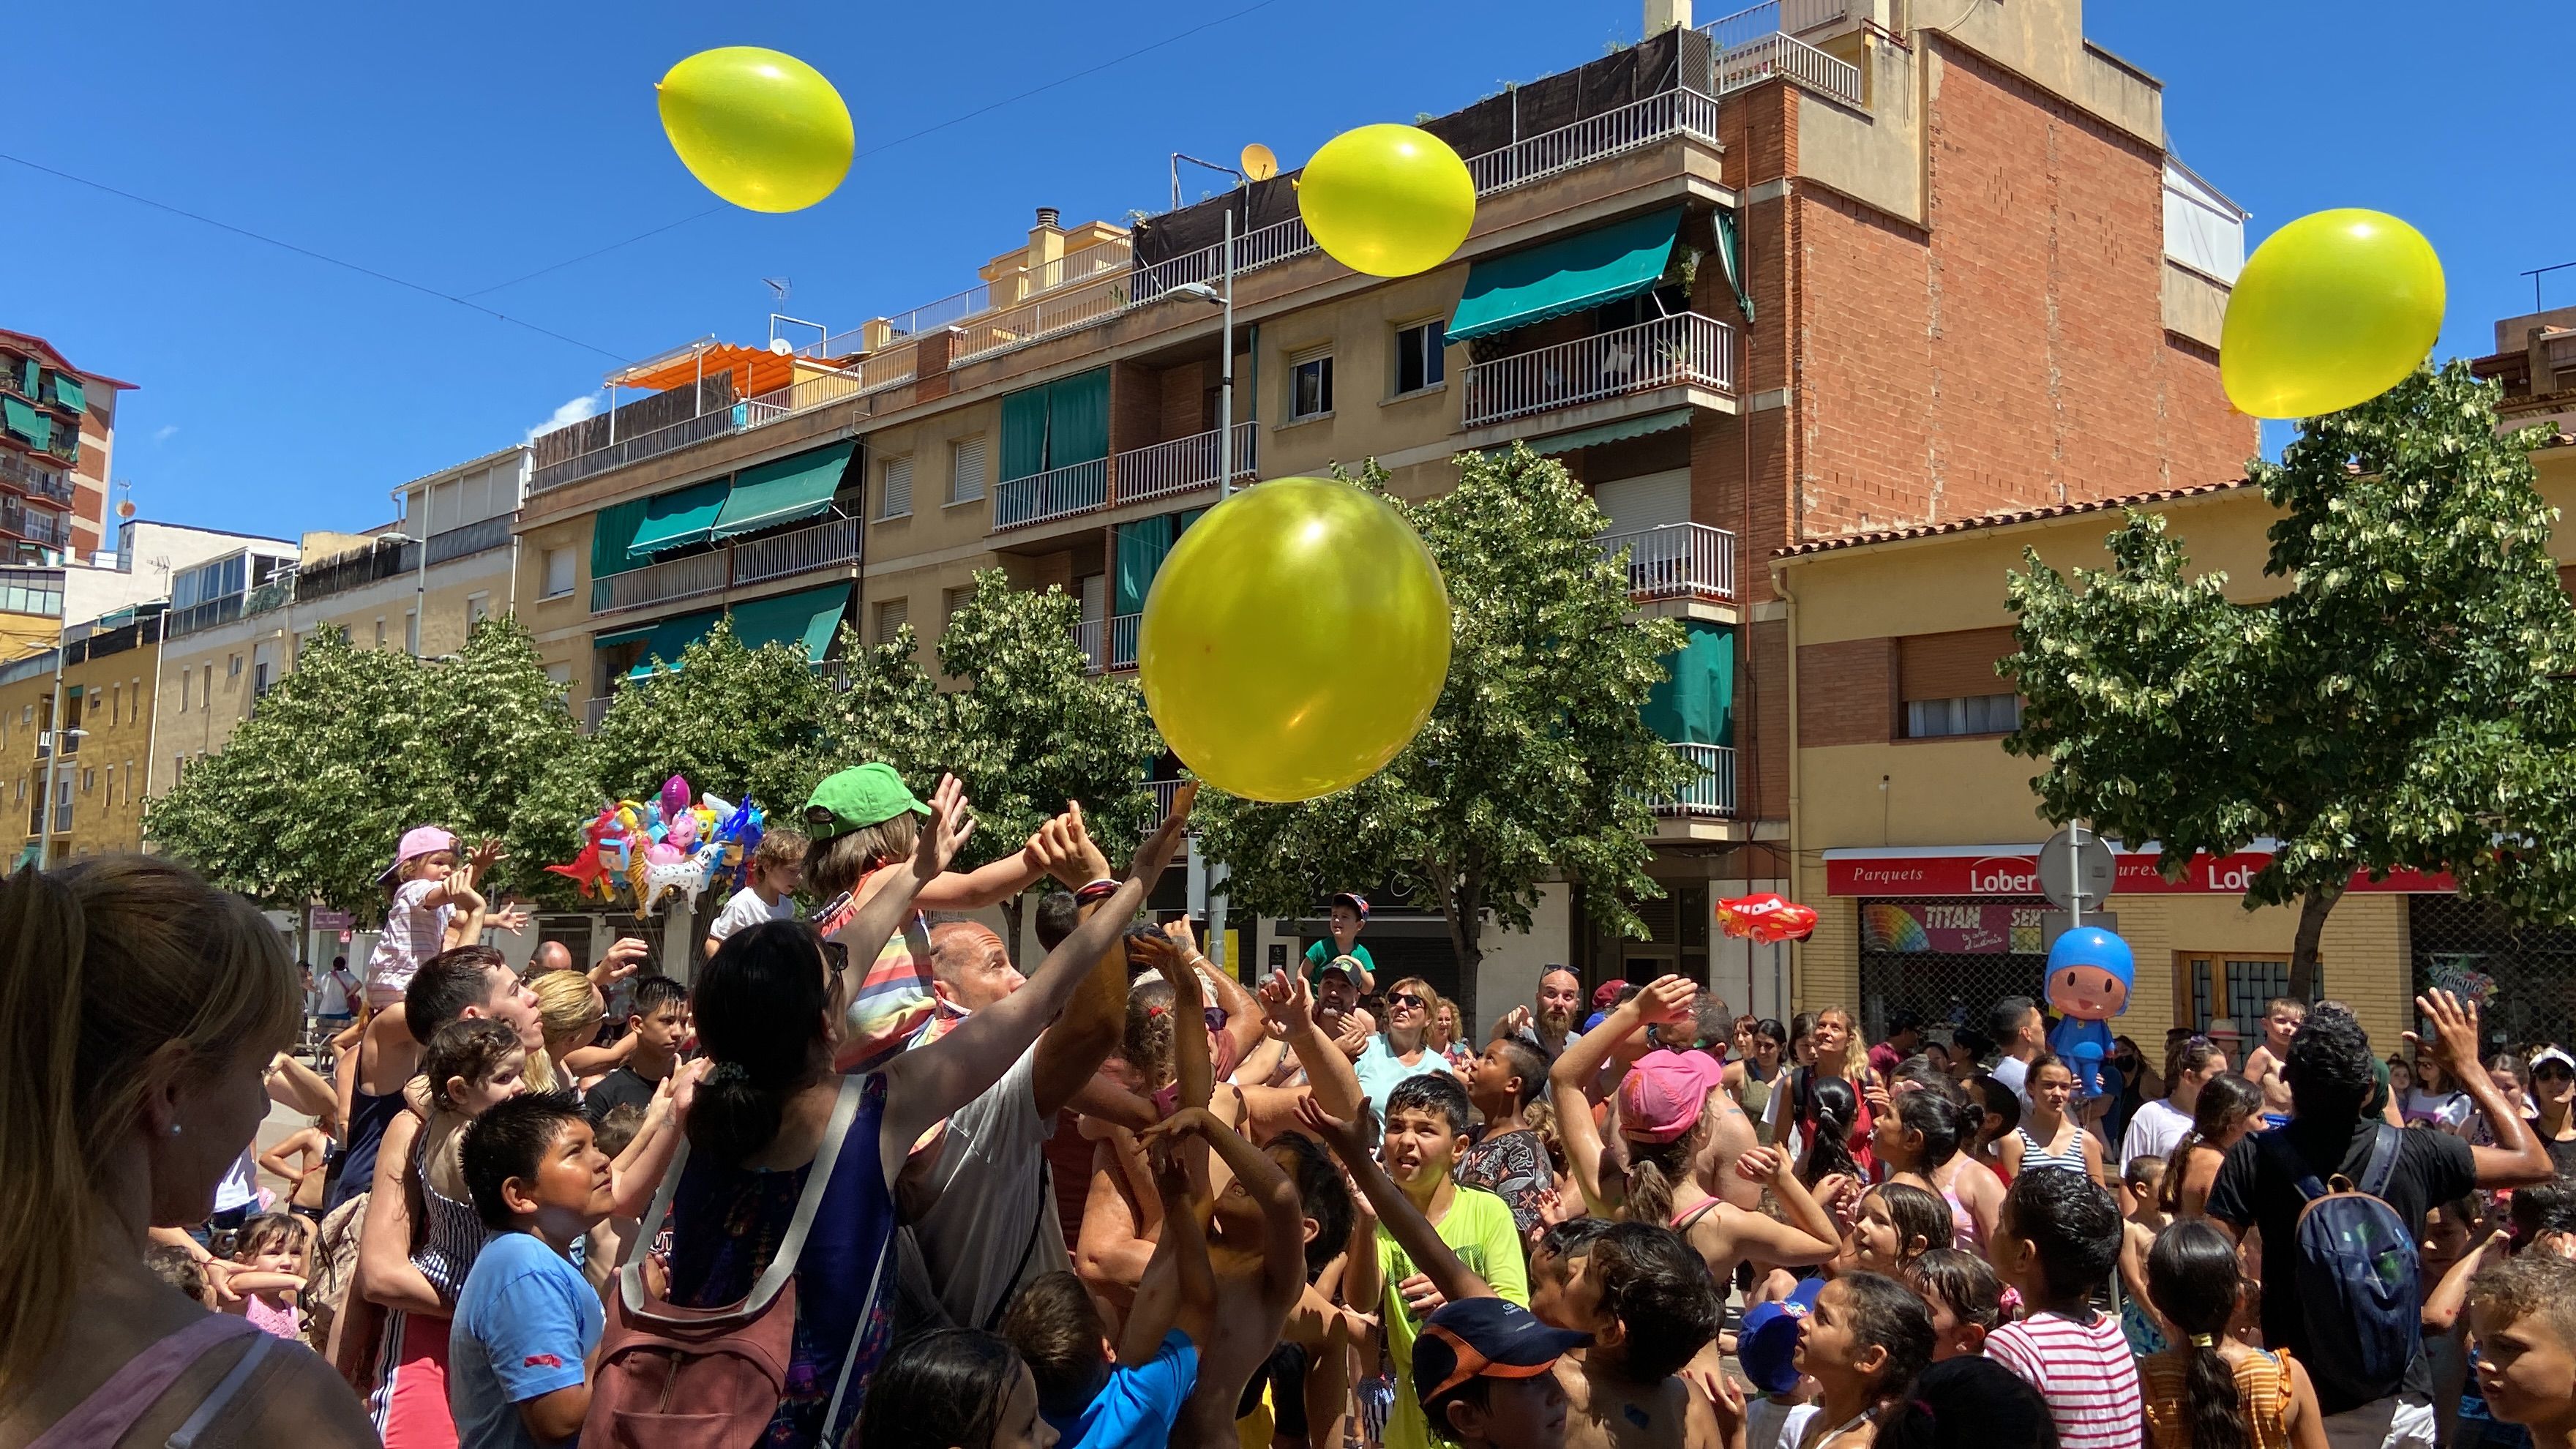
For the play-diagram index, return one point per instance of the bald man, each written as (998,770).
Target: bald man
(550,956)
(1550,1025)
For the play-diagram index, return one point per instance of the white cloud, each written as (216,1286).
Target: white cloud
(165,432)
(587,405)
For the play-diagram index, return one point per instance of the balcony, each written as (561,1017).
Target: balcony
(830,544)
(1760,42)
(1183,465)
(355,569)
(34,476)
(1055,493)
(1684,351)
(198,618)
(713,423)
(1164,791)
(1710,793)
(1676,561)
(473,538)
(593,711)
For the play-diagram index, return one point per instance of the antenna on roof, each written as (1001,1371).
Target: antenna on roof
(779,285)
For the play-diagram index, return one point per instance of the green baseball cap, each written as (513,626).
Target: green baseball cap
(856,799)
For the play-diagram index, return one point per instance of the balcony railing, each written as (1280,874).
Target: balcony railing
(833,542)
(1164,793)
(473,538)
(1676,561)
(355,569)
(1689,349)
(1710,792)
(71,739)
(1110,644)
(50,529)
(198,618)
(680,578)
(1182,465)
(63,818)
(593,711)
(1638,123)
(1759,42)
(1055,493)
(36,478)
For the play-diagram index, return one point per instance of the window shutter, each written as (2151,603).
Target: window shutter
(897,501)
(966,471)
(891,614)
(1956,665)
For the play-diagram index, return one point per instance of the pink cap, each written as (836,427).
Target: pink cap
(418,841)
(1665,1092)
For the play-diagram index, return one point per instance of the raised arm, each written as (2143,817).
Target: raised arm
(1283,1213)
(1411,1230)
(862,938)
(1290,1001)
(927,1083)
(638,1171)
(293,1084)
(1179,1290)
(1805,1232)
(2517,1159)
(1570,1080)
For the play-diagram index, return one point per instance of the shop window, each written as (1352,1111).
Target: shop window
(1310,388)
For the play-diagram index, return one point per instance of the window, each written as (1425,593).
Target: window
(952,600)
(891,618)
(2237,986)
(1310,388)
(895,499)
(233,669)
(115,702)
(129,782)
(89,780)
(1420,360)
(559,673)
(206,698)
(380,631)
(478,607)
(178,767)
(1976,714)
(966,470)
(411,630)
(558,571)
(111,784)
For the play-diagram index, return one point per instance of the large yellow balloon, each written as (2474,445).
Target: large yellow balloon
(2332,310)
(1387,200)
(1295,640)
(763,130)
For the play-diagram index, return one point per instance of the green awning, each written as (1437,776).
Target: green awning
(666,640)
(678,519)
(622,636)
(1637,427)
(611,529)
(69,392)
(1695,704)
(809,617)
(26,422)
(783,491)
(1587,269)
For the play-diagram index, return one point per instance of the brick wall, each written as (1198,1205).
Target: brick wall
(1135,406)
(1762,742)
(1184,400)
(1847,692)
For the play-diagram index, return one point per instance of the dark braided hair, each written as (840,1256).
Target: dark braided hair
(2194,1280)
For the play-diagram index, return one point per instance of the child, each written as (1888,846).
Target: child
(656,1022)
(864,820)
(1924,1139)
(1348,912)
(425,890)
(1649,1305)
(1969,1403)
(1863,1344)
(1556,1265)
(777,868)
(2060,1236)
(1767,1349)
(528,1322)
(1966,1299)
(2142,1182)
(302,1158)
(1896,1224)
(1090,1400)
(2049,1136)
(2000,1115)
(270,1252)
(176,1266)
(2215,1382)
(616,1131)
(1508,1159)
(2525,1315)
(2264,1067)
(952,1388)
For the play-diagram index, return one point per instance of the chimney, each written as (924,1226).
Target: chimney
(1048,216)
(1663,15)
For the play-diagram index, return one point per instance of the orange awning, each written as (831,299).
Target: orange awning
(755,370)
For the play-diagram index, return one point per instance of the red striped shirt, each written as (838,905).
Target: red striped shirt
(2085,1373)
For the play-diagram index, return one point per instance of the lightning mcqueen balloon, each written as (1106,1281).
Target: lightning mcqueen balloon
(1767,918)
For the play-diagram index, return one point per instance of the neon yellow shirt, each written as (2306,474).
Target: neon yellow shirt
(1479,1228)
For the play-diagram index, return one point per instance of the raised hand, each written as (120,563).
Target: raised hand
(2455,1031)
(1762,1164)
(625,957)
(951,824)
(1152,951)
(1158,847)
(1178,928)
(1187,1122)
(1666,999)
(1341,1136)
(1289,1001)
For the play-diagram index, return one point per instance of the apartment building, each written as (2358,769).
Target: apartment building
(1806,271)
(93,766)
(57,435)
(418,584)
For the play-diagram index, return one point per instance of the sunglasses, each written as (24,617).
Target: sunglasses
(1406,998)
(2552,1072)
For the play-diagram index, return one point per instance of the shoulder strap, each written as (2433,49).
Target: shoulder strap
(2383,1162)
(782,1264)
(858,1333)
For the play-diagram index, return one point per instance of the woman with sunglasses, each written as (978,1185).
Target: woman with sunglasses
(2553,1093)
(1403,1049)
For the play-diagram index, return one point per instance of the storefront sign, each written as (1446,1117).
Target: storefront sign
(333,920)
(1955,872)
(1968,928)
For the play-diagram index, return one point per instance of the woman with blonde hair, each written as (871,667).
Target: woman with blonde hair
(140,1007)
(571,1009)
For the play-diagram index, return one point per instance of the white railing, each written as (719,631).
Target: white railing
(1690,348)
(1766,56)
(1043,315)
(1164,793)
(593,711)
(1122,640)
(1710,792)
(1676,561)
(831,542)
(680,578)
(1086,637)
(1182,465)
(1638,123)
(1055,493)
(713,423)
(1109,644)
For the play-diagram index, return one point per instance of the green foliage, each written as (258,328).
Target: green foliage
(732,720)
(2403,704)
(353,747)
(1536,765)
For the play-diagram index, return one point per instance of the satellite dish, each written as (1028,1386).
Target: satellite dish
(782,346)
(125,508)
(1258,163)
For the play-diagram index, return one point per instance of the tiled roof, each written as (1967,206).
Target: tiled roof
(2019,515)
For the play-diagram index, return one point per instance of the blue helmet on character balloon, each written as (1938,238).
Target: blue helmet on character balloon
(2090,974)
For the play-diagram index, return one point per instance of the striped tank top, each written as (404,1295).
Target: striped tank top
(893,999)
(2035,1154)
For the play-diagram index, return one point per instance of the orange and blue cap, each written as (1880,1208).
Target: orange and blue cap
(1492,1338)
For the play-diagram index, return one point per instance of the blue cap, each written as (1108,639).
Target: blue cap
(1484,1337)
(1767,1342)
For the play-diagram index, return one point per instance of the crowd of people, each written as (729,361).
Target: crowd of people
(865,1181)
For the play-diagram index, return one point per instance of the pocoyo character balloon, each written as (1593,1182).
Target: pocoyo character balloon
(2090,973)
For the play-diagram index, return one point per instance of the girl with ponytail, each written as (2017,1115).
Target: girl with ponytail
(1922,1142)
(139,1008)
(2212,1390)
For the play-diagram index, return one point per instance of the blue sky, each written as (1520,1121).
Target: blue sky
(464,145)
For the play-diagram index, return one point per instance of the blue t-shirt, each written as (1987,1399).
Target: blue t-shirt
(1136,1408)
(1379,1069)
(523,1325)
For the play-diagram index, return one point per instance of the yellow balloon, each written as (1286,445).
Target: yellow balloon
(2331,310)
(1387,200)
(1295,640)
(764,131)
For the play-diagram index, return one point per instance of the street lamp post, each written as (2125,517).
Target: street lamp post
(1225,343)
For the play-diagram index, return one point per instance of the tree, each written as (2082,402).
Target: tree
(1536,765)
(354,746)
(735,720)
(1032,728)
(2402,704)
